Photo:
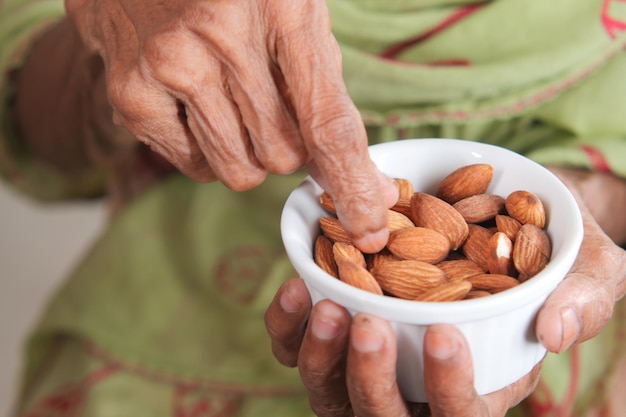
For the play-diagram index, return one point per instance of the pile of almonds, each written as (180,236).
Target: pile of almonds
(460,243)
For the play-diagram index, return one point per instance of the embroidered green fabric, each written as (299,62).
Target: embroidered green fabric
(164,316)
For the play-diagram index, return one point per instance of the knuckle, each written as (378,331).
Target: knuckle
(332,409)
(285,164)
(285,356)
(334,121)
(125,92)
(243,180)
(176,60)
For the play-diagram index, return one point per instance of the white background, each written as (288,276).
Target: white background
(39,246)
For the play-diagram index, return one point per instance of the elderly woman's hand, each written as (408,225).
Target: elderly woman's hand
(349,365)
(232,90)
(583,303)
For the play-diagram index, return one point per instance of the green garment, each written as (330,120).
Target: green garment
(164,316)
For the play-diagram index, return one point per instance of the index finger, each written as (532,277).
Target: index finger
(331,125)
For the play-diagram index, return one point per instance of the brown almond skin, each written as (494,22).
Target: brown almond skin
(434,213)
(531,251)
(460,269)
(475,245)
(359,277)
(327,203)
(450,291)
(375,259)
(407,279)
(493,283)
(526,207)
(464,182)
(398,221)
(476,294)
(419,244)
(403,205)
(347,252)
(323,255)
(480,207)
(508,225)
(405,188)
(333,230)
(500,255)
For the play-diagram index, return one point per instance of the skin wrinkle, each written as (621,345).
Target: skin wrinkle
(367,396)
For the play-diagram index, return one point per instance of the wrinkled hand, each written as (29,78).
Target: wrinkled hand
(583,303)
(333,349)
(330,348)
(234,90)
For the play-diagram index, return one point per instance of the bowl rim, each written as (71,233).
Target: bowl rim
(417,312)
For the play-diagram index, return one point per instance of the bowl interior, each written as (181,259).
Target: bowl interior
(425,162)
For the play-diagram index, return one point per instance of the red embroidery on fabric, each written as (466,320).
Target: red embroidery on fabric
(611,25)
(68,402)
(459,62)
(393,119)
(196,383)
(459,14)
(542,404)
(241,271)
(597,159)
(188,402)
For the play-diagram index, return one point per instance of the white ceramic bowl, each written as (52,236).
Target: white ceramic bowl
(498,328)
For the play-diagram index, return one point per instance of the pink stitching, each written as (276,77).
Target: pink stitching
(456,16)
(596,158)
(611,25)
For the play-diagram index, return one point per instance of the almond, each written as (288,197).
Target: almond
(508,225)
(405,188)
(475,244)
(333,230)
(526,207)
(465,182)
(398,221)
(480,207)
(375,259)
(450,291)
(403,205)
(434,213)
(343,252)
(531,251)
(476,294)
(327,203)
(460,269)
(419,244)
(359,277)
(499,255)
(323,255)
(407,279)
(492,283)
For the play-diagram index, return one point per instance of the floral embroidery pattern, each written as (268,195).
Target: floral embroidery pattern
(69,400)
(241,271)
(189,402)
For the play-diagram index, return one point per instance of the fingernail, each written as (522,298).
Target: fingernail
(440,345)
(325,324)
(364,336)
(570,328)
(288,302)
